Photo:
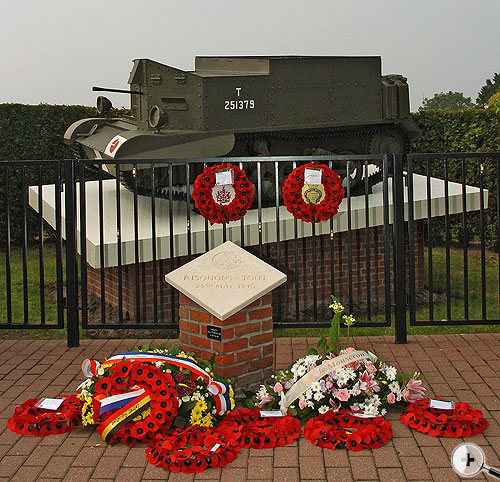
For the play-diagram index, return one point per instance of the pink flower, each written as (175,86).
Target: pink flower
(391,398)
(265,399)
(302,404)
(406,395)
(343,395)
(415,391)
(370,368)
(278,388)
(349,349)
(367,381)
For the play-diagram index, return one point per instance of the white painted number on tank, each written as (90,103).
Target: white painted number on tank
(239,104)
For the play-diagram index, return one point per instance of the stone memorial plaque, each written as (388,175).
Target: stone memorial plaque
(225,280)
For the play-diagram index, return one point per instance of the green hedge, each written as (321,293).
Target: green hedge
(36,132)
(472,130)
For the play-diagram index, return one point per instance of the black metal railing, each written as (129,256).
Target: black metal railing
(76,240)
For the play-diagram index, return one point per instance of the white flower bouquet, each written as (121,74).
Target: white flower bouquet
(368,385)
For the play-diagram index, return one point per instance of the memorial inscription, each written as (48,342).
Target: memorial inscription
(226,279)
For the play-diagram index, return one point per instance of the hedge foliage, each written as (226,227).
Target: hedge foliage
(471,130)
(30,132)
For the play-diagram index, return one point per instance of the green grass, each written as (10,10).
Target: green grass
(457,301)
(33,291)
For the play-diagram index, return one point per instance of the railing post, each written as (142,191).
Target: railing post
(399,250)
(73,333)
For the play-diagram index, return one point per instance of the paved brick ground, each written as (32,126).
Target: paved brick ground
(459,367)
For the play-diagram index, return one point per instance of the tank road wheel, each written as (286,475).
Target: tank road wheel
(355,169)
(144,179)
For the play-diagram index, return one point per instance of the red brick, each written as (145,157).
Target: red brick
(202,316)
(254,327)
(249,354)
(225,360)
(189,326)
(261,363)
(230,345)
(261,313)
(268,349)
(263,338)
(199,341)
(231,371)
(239,317)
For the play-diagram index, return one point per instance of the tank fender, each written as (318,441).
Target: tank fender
(84,128)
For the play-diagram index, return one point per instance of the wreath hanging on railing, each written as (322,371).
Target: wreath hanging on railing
(132,401)
(223,193)
(191,450)
(258,432)
(313,192)
(29,419)
(344,428)
(462,421)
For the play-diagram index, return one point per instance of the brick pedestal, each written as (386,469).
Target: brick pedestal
(246,350)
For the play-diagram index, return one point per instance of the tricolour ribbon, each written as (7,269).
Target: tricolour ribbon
(117,401)
(119,418)
(219,390)
(317,373)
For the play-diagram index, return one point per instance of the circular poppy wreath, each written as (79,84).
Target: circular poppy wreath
(222,213)
(191,450)
(462,421)
(345,429)
(324,210)
(252,430)
(158,385)
(28,419)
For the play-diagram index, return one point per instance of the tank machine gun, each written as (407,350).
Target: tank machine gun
(249,106)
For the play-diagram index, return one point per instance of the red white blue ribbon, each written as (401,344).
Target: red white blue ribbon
(117,401)
(219,390)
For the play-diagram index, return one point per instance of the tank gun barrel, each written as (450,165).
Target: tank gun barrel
(120,91)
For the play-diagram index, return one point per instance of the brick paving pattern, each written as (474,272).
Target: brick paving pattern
(458,367)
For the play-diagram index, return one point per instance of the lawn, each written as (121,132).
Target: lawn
(457,302)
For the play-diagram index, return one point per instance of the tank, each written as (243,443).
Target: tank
(249,106)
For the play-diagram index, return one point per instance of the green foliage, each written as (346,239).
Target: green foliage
(449,101)
(488,89)
(473,130)
(494,101)
(32,132)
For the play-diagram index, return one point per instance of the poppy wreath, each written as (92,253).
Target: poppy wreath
(191,450)
(462,421)
(324,210)
(152,411)
(222,213)
(28,419)
(345,429)
(253,430)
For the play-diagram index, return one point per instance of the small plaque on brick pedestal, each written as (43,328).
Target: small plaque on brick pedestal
(214,333)
(225,280)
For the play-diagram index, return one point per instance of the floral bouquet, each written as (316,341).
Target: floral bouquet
(156,385)
(368,385)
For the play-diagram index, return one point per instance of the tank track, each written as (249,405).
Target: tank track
(180,194)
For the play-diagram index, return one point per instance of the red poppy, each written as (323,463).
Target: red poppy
(103,385)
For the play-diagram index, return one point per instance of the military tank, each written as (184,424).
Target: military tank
(247,107)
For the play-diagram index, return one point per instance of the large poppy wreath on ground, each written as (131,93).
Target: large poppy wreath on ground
(462,421)
(132,402)
(346,428)
(255,431)
(223,203)
(29,419)
(307,208)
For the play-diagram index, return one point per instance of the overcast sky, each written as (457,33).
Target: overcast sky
(54,51)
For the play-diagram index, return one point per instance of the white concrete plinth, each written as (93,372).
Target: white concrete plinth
(197,222)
